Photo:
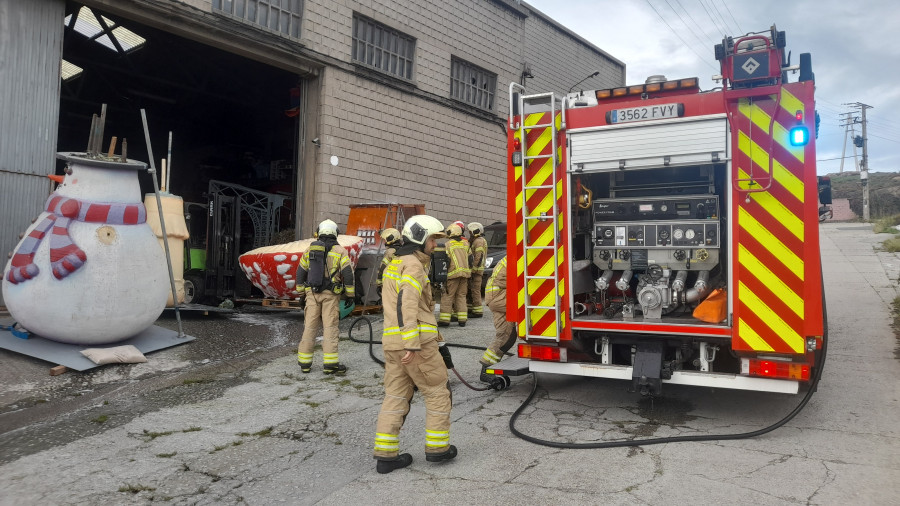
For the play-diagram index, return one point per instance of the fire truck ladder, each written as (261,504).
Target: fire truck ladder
(548,103)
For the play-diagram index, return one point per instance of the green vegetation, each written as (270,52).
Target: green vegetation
(192,429)
(166,455)
(134,489)
(887,224)
(100,419)
(884,192)
(891,245)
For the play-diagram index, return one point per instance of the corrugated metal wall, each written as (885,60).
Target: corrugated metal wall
(31,38)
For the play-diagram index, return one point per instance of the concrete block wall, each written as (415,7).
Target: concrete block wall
(559,59)
(399,146)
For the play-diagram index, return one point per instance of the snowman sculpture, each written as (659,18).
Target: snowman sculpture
(89,270)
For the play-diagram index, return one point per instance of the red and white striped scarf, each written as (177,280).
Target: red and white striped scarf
(65,256)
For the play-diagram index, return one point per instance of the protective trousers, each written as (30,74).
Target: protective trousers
(475,294)
(453,301)
(322,314)
(504,339)
(427,372)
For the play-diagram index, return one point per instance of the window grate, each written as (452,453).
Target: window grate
(382,47)
(281,16)
(472,84)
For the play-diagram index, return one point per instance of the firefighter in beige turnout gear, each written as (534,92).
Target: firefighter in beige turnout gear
(505,338)
(412,356)
(453,300)
(478,249)
(392,241)
(325,272)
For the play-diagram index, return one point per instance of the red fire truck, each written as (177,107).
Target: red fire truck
(659,233)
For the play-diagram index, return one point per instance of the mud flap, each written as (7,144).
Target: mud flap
(646,374)
(510,366)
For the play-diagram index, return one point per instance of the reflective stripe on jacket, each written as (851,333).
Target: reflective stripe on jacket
(338,267)
(458,251)
(479,254)
(495,290)
(408,304)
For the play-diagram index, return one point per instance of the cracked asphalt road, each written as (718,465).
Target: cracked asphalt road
(229,419)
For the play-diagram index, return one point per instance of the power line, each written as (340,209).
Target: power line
(732,17)
(713,5)
(713,20)
(696,35)
(705,60)
(709,39)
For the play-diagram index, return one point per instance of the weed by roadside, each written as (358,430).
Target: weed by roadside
(887,224)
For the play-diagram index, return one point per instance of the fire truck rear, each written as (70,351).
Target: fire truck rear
(663,234)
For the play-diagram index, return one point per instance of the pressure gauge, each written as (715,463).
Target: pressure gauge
(677,234)
(689,234)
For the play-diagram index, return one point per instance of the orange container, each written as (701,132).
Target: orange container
(368,220)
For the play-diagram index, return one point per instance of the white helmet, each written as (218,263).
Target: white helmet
(420,227)
(327,227)
(476,228)
(390,235)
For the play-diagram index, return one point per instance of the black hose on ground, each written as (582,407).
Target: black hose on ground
(820,363)
(371,341)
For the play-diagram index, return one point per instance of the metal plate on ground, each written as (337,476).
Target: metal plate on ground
(201,307)
(152,339)
(512,366)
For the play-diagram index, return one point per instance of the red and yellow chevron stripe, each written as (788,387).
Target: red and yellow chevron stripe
(776,281)
(533,186)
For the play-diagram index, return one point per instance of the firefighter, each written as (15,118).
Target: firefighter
(505,337)
(478,249)
(412,355)
(453,300)
(392,240)
(325,274)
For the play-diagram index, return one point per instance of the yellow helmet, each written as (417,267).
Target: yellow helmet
(420,227)
(390,235)
(454,230)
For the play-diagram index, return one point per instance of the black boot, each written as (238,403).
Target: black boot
(386,466)
(485,377)
(337,369)
(304,367)
(462,323)
(443,324)
(449,454)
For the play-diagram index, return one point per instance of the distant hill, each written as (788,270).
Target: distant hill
(884,192)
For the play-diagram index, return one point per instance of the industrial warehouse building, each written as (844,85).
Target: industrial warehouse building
(324,103)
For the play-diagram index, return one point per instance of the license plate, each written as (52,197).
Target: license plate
(647,112)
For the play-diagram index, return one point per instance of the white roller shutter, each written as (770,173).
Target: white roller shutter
(682,141)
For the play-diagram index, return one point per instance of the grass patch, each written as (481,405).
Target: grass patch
(154,435)
(311,404)
(217,448)
(344,383)
(193,381)
(100,419)
(166,455)
(891,245)
(895,311)
(886,224)
(265,432)
(284,398)
(134,489)
(192,429)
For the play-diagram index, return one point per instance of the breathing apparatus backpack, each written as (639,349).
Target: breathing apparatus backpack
(440,266)
(317,278)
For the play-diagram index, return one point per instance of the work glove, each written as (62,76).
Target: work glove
(445,354)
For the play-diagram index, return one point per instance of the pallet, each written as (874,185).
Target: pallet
(283,304)
(363,310)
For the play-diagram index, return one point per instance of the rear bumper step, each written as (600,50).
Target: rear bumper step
(516,366)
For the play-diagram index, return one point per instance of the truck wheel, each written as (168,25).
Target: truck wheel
(193,289)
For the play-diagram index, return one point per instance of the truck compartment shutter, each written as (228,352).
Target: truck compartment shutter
(687,141)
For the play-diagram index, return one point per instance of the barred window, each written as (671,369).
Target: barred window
(382,47)
(471,84)
(282,16)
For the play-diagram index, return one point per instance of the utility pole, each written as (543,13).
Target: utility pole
(864,167)
(849,131)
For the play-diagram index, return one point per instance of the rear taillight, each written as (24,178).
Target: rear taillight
(538,352)
(776,369)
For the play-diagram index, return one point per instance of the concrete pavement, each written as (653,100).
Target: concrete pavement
(269,434)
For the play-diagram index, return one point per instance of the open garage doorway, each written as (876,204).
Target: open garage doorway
(233,120)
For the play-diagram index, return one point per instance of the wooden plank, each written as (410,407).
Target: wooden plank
(56,371)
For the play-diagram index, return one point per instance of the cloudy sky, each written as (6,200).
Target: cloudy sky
(855,49)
